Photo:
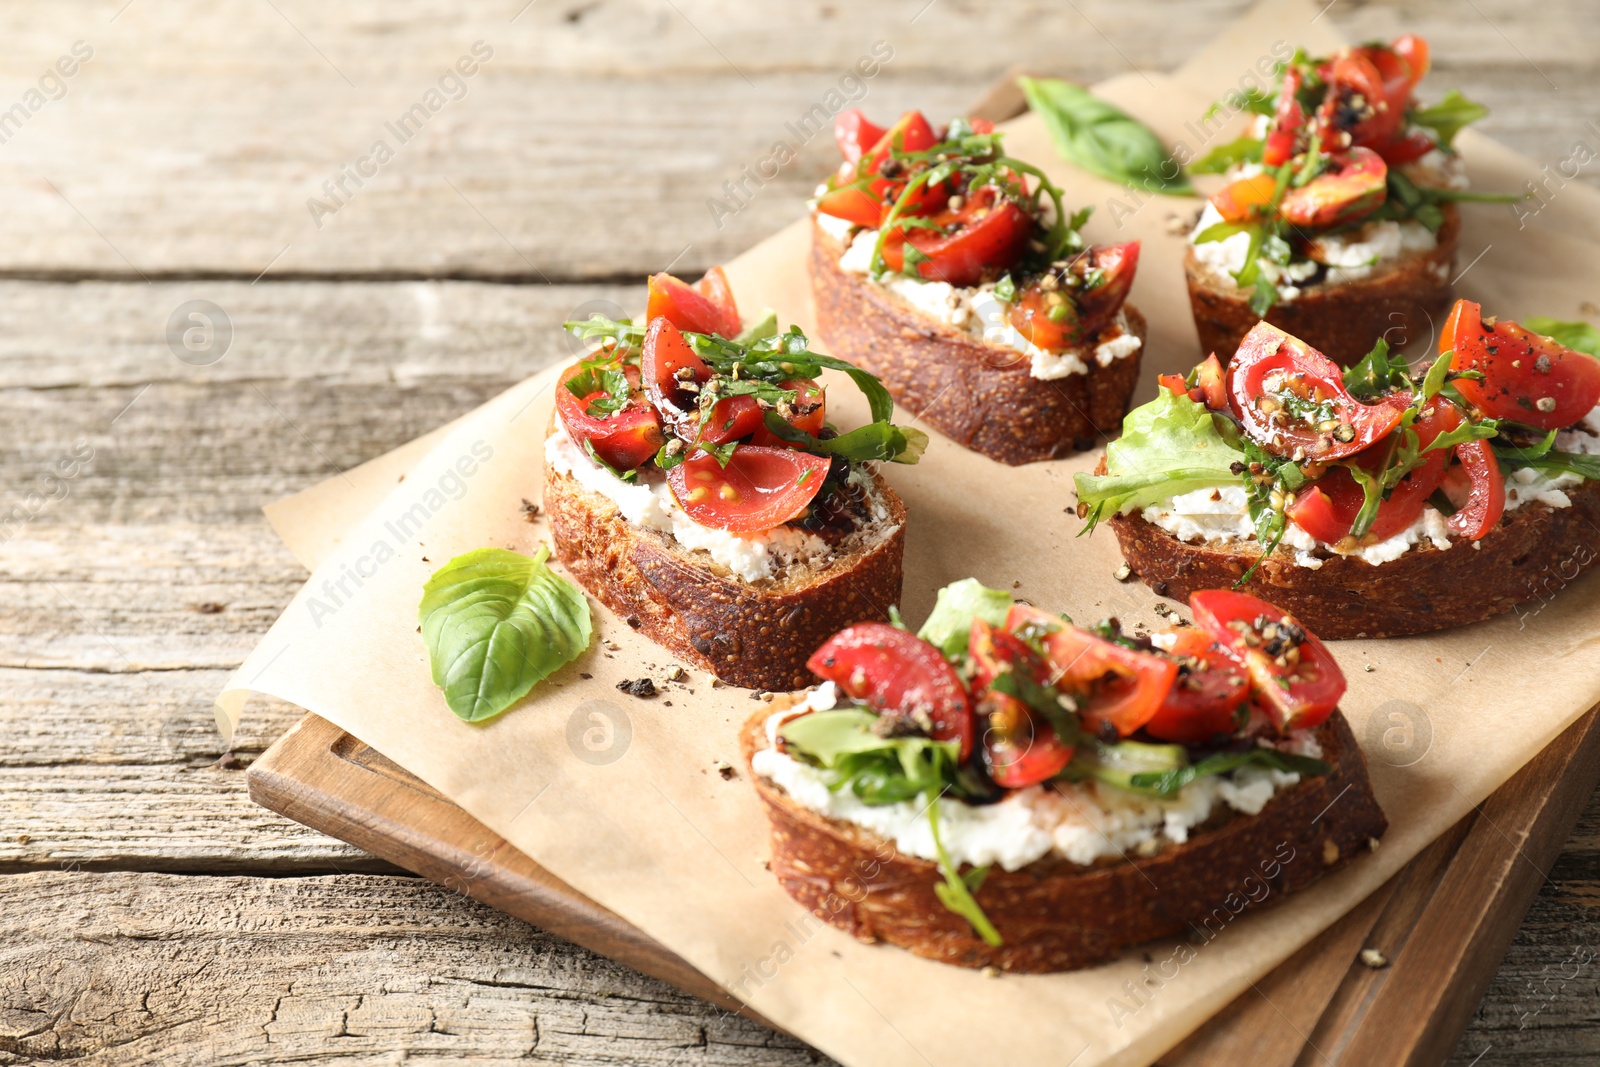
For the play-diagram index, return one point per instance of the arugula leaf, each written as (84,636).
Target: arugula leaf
(1169,446)
(1449,116)
(600,376)
(1102,139)
(1578,336)
(1166,783)
(955,892)
(495,623)
(599,461)
(1246,149)
(950,621)
(1371,498)
(1375,373)
(876,441)
(1579,463)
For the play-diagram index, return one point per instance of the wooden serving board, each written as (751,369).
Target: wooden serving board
(1443,922)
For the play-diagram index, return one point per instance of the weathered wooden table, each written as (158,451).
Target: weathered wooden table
(162,153)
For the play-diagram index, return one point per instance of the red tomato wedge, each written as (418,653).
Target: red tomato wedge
(1328,508)
(664,357)
(985,237)
(855,134)
(1486,497)
(853,205)
(1244,199)
(868,206)
(1355,187)
(810,414)
(1208,695)
(624,439)
(1526,377)
(692,308)
(1118,689)
(896,673)
(1019,748)
(1290,397)
(1068,314)
(1359,102)
(1293,675)
(1287,122)
(759,488)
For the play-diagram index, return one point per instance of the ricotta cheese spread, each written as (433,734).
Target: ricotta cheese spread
(649,503)
(1083,822)
(1222,514)
(978,311)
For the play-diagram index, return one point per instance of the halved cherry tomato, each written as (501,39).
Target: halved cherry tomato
(731,419)
(1289,119)
(1327,510)
(706,307)
(1486,499)
(809,415)
(868,206)
(1174,383)
(1071,312)
(1526,377)
(1207,697)
(1210,380)
(855,134)
(759,488)
(664,357)
(1355,187)
(624,439)
(1414,50)
(1293,675)
(1117,689)
(985,236)
(1358,101)
(1284,392)
(1244,199)
(1019,748)
(853,205)
(896,673)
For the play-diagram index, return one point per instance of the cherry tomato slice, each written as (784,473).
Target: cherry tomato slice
(1020,749)
(1117,689)
(1287,122)
(809,415)
(624,439)
(715,288)
(1358,100)
(985,237)
(1209,696)
(1414,50)
(731,419)
(1354,188)
(1328,508)
(1293,675)
(855,134)
(759,488)
(1291,399)
(666,362)
(1211,383)
(1246,198)
(896,673)
(1173,383)
(1072,311)
(690,309)
(1486,499)
(1526,377)
(853,205)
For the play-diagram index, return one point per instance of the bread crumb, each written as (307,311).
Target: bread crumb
(1369,668)
(1122,573)
(1372,844)
(530,510)
(991,972)
(643,688)
(725,769)
(1330,853)
(1374,959)
(678,674)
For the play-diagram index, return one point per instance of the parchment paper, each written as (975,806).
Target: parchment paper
(620,797)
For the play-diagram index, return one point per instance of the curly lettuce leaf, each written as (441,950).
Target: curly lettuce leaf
(1169,446)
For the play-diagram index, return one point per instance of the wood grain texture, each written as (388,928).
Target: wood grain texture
(185,151)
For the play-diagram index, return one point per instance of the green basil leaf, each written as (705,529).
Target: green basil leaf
(1102,139)
(950,621)
(1375,372)
(1168,446)
(496,622)
(1449,116)
(1166,783)
(1579,463)
(1578,336)
(874,442)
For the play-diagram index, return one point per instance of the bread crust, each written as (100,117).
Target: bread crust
(1533,553)
(757,636)
(1056,915)
(1405,303)
(981,396)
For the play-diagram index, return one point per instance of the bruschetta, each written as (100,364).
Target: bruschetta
(695,487)
(954,272)
(1372,502)
(1006,790)
(1339,222)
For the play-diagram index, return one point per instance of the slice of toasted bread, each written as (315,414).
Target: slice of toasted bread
(979,395)
(756,635)
(1056,915)
(1404,302)
(1533,553)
